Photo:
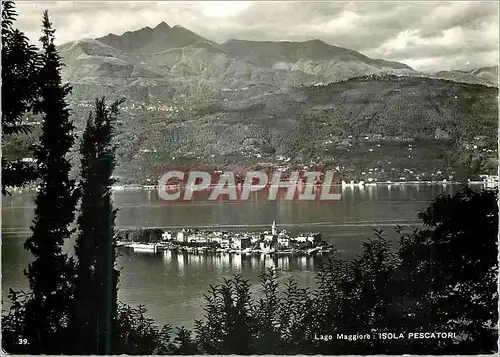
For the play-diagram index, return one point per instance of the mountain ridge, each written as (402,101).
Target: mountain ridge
(148,39)
(316,59)
(245,103)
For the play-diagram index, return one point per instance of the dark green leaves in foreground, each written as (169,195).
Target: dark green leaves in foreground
(441,279)
(94,312)
(21,64)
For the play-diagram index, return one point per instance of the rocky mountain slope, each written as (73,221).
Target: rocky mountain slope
(482,75)
(375,126)
(167,62)
(327,62)
(178,53)
(151,40)
(244,104)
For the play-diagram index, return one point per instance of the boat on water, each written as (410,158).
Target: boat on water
(285,252)
(144,247)
(312,250)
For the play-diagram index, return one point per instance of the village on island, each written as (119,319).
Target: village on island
(204,241)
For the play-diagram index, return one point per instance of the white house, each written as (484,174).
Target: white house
(283,241)
(300,239)
(166,236)
(254,239)
(197,238)
(225,242)
(216,239)
(28,159)
(182,236)
(240,242)
(268,238)
(307,237)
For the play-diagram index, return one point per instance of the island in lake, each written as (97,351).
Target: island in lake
(204,241)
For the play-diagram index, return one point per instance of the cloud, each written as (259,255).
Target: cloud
(427,35)
(223,9)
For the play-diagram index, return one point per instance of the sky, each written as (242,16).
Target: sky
(427,36)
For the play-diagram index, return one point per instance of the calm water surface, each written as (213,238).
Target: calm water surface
(172,285)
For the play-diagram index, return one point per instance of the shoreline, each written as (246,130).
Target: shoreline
(132,187)
(137,187)
(142,247)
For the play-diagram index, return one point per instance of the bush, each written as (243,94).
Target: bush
(437,281)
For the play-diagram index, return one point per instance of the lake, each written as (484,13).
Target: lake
(171,285)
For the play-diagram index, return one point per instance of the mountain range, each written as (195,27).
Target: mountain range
(176,52)
(261,103)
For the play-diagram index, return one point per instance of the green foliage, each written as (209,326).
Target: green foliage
(14,322)
(20,90)
(457,258)
(51,274)
(137,334)
(437,281)
(94,315)
(150,235)
(227,327)
(184,343)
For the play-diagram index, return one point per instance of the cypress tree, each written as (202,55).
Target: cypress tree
(20,90)
(51,274)
(95,311)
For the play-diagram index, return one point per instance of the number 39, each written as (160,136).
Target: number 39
(22,341)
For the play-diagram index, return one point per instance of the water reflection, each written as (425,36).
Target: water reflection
(147,252)
(167,257)
(181,264)
(194,260)
(255,262)
(231,262)
(284,263)
(311,263)
(236,262)
(269,262)
(302,263)
(222,262)
(371,191)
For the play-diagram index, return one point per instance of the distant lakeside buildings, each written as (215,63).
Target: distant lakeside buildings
(270,241)
(486,180)
(267,239)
